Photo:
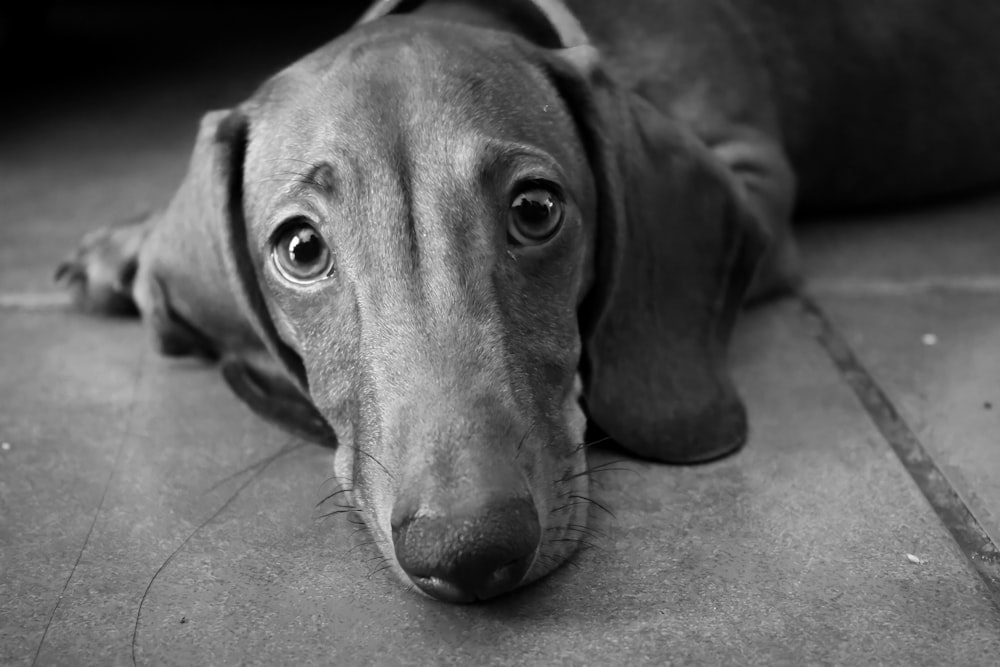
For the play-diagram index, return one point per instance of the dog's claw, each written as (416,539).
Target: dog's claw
(64,268)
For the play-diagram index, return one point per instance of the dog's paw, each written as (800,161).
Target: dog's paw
(779,273)
(100,272)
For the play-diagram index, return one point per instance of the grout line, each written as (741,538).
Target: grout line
(53,300)
(951,510)
(980,284)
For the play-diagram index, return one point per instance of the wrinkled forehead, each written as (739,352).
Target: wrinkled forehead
(412,88)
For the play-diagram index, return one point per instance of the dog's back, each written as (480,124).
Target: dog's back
(876,101)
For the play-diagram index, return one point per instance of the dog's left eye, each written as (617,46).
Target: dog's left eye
(535,216)
(300,254)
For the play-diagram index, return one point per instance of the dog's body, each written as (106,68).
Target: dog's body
(873,103)
(438,234)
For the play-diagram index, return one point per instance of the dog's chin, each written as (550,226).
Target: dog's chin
(563,520)
(560,488)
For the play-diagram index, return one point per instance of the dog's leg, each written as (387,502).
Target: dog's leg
(108,274)
(100,272)
(767,183)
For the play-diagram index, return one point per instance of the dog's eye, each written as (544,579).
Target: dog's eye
(535,216)
(300,254)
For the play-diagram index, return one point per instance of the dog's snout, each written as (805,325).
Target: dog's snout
(474,553)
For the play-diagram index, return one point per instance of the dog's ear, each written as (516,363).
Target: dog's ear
(266,389)
(676,250)
(198,289)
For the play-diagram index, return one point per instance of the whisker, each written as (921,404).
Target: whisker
(278,180)
(548,560)
(585,545)
(383,568)
(581,501)
(565,492)
(570,560)
(593,502)
(562,507)
(339,480)
(614,464)
(300,178)
(524,437)
(333,495)
(584,445)
(370,456)
(342,507)
(591,473)
(336,512)
(363,544)
(291,159)
(380,561)
(586,473)
(287,448)
(579,535)
(575,540)
(586,530)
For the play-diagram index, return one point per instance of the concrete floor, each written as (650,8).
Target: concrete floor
(145,514)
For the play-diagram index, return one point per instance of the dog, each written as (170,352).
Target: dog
(452,237)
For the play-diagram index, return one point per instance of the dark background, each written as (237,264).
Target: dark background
(52,55)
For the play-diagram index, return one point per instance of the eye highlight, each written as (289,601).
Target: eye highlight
(299,252)
(536,214)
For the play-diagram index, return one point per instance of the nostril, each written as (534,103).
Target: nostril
(508,575)
(506,569)
(402,514)
(461,557)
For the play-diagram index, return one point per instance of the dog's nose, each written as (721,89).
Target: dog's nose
(463,555)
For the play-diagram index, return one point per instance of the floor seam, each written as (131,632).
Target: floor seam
(36,300)
(946,502)
(100,505)
(975,284)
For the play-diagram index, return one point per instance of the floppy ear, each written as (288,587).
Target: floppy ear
(676,250)
(269,393)
(198,289)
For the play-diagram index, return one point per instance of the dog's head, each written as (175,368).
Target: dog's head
(442,243)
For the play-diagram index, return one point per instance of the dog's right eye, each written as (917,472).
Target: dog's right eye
(536,214)
(300,254)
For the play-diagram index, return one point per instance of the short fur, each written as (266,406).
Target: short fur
(452,367)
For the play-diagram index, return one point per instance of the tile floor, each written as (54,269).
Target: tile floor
(145,514)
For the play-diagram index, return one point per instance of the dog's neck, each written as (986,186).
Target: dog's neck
(547,23)
(521,18)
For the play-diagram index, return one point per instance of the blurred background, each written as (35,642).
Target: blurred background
(53,55)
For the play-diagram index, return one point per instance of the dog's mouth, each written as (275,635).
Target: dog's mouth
(509,552)
(483,583)
(470,530)
(489,540)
